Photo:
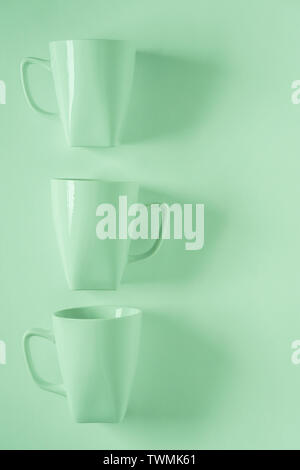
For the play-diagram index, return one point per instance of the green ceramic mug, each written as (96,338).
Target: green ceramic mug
(92,79)
(91,263)
(97,349)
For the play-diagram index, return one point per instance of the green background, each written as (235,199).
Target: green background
(211,121)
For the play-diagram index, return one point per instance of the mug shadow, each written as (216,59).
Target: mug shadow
(169,94)
(174,262)
(189,388)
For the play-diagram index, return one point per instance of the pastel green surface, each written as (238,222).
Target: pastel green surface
(211,121)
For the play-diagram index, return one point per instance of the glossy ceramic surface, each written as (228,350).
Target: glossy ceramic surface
(97,350)
(90,263)
(92,79)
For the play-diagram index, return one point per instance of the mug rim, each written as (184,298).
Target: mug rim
(63,313)
(56,41)
(94,180)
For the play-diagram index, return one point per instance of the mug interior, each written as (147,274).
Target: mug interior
(98,312)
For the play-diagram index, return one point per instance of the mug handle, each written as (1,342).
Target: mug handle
(154,249)
(26,62)
(48,386)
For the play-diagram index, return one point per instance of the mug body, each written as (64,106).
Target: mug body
(93,80)
(97,351)
(89,262)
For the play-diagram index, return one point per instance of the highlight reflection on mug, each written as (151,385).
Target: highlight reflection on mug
(184,217)
(2,353)
(2,92)
(295,358)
